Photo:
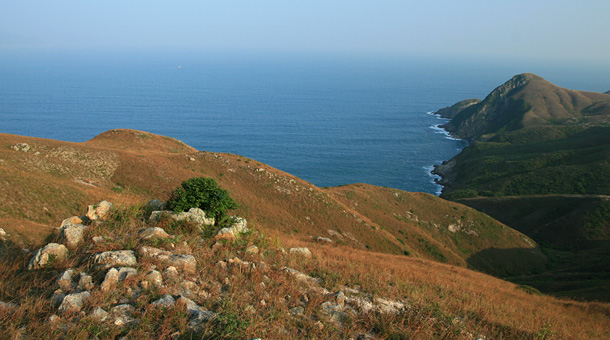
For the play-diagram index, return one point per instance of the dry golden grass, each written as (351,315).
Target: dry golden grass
(446,301)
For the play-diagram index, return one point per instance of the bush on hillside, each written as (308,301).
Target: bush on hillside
(203,193)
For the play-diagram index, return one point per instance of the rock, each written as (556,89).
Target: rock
(99,315)
(234,231)
(126,272)
(23,147)
(338,297)
(188,304)
(98,239)
(334,311)
(99,212)
(389,307)
(154,277)
(65,281)
(3,233)
(155,216)
(198,318)
(122,315)
(322,239)
(48,255)
(239,224)
(54,319)
(296,311)
(110,281)
(194,215)
(117,258)
(164,302)
(75,220)
(185,263)
(57,298)
(73,302)
(150,251)
(252,250)
(155,205)
(154,232)
(171,273)
(297,275)
(72,234)
(301,251)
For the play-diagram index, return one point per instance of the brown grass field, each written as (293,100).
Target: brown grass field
(388,244)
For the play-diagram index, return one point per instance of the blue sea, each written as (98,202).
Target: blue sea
(330,121)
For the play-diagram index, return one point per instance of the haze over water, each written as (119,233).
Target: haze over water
(330,121)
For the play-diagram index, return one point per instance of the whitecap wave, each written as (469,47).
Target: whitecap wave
(438,129)
(434,178)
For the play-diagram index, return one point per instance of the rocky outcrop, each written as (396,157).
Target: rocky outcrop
(99,212)
(49,255)
(117,258)
(71,234)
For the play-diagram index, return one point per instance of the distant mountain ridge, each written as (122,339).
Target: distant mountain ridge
(526,101)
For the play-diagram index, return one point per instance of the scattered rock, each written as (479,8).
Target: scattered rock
(296,311)
(154,232)
(23,147)
(154,277)
(301,251)
(322,239)
(185,263)
(198,318)
(110,281)
(171,273)
(72,234)
(99,315)
(126,272)
(65,281)
(234,231)
(334,311)
(48,255)
(99,212)
(73,302)
(164,302)
(252,250)
(122,315)
(194,215)
(75,220)
(338,297)
(117,258)
(297,275)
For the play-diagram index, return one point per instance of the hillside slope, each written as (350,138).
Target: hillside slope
(55,179)
(528,101)
(538,161)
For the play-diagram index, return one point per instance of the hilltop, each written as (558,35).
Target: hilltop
(538,161)
(526,101)
(384,263)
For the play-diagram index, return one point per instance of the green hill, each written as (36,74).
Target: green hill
(538,161)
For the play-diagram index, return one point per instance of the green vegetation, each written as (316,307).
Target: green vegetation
(575,164)
(203,193)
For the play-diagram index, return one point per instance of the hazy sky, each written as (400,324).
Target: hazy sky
(521,29)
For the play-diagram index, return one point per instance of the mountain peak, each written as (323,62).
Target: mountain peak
(528,100)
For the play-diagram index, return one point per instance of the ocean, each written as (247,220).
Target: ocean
(330,121)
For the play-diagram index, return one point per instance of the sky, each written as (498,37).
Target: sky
(557,30)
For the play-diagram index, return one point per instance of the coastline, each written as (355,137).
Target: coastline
(439,171)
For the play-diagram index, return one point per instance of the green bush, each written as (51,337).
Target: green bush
(203,193)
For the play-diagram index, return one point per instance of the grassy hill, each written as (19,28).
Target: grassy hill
(58,179)
(528,101)
(538,161)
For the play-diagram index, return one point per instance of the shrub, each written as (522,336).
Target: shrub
(203,193)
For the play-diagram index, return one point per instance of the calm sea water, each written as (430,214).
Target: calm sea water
(328,121)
